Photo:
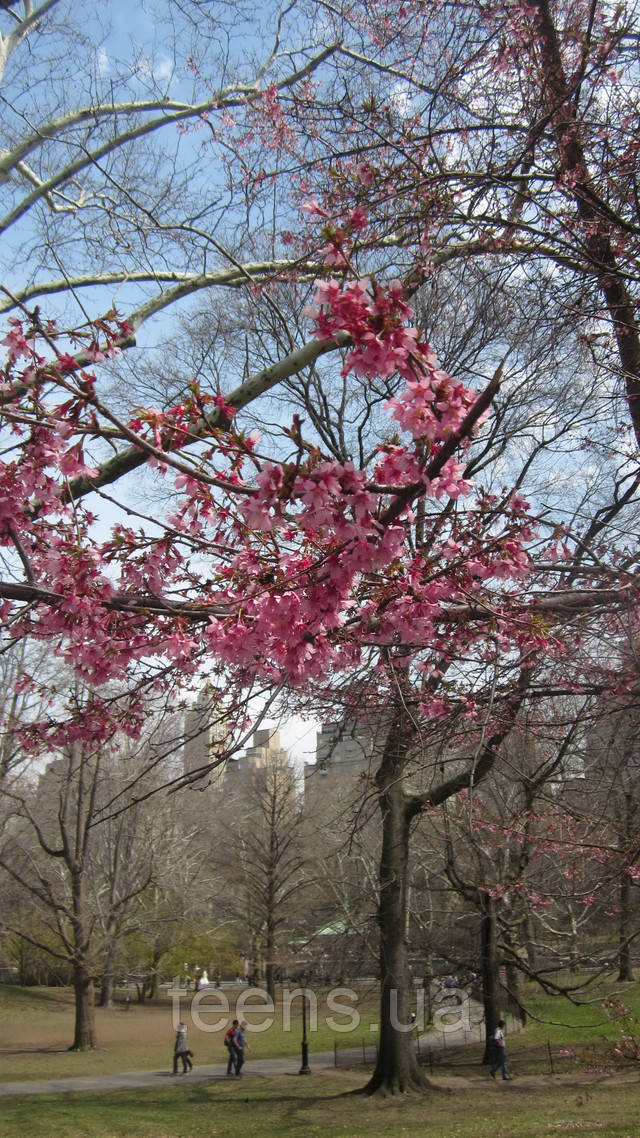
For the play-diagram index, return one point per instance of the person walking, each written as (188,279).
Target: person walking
(229,1036)
(239,1042)
(181,1050)
(500,1052)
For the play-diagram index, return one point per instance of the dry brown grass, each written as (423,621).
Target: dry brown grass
(39,1028)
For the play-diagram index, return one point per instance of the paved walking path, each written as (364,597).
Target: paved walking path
(135,1079)
(473,1033)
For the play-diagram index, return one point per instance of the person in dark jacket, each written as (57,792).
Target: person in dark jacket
(181,1050)
(239,1042)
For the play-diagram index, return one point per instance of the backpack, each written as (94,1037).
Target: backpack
(228,1037)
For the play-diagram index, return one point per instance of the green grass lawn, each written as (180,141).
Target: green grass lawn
(39,1024)
(321,1105)
(557,1022)
(463,1102)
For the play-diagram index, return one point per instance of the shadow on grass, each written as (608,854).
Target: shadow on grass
(34,1050)
(200,1095)
(60,997)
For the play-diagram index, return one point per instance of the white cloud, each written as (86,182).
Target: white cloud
(160,70)
(103,61)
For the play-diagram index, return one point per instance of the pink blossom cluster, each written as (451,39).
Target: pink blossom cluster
(373,316)
(283,570)
(433,406)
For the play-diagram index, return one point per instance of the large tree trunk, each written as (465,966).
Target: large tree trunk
(84,1037)
(490,973)
(397,1069)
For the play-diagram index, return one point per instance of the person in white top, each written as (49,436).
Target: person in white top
(501,1052)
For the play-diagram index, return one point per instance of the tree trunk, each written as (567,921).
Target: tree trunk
(269,964)
(574,172)
(516,1006)
(575,957)
(426,982)
(530,943)
(25,968)
(270,906)
(84,1037)
(151,982)
(625,971)
(397,1070)
(490,973)
(513,978)
(107,988)
(107,985)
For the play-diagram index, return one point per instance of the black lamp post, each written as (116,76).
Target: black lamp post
(305,1068)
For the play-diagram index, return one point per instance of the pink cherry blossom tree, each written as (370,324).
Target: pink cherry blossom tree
(393,149)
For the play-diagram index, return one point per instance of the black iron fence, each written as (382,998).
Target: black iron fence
(466,1056)
(353,1054)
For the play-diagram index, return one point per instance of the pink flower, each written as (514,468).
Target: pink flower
(18,346)
(313,208)
(256,515)
(365,173)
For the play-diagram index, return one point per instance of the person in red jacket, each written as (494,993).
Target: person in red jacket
(232,1051)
